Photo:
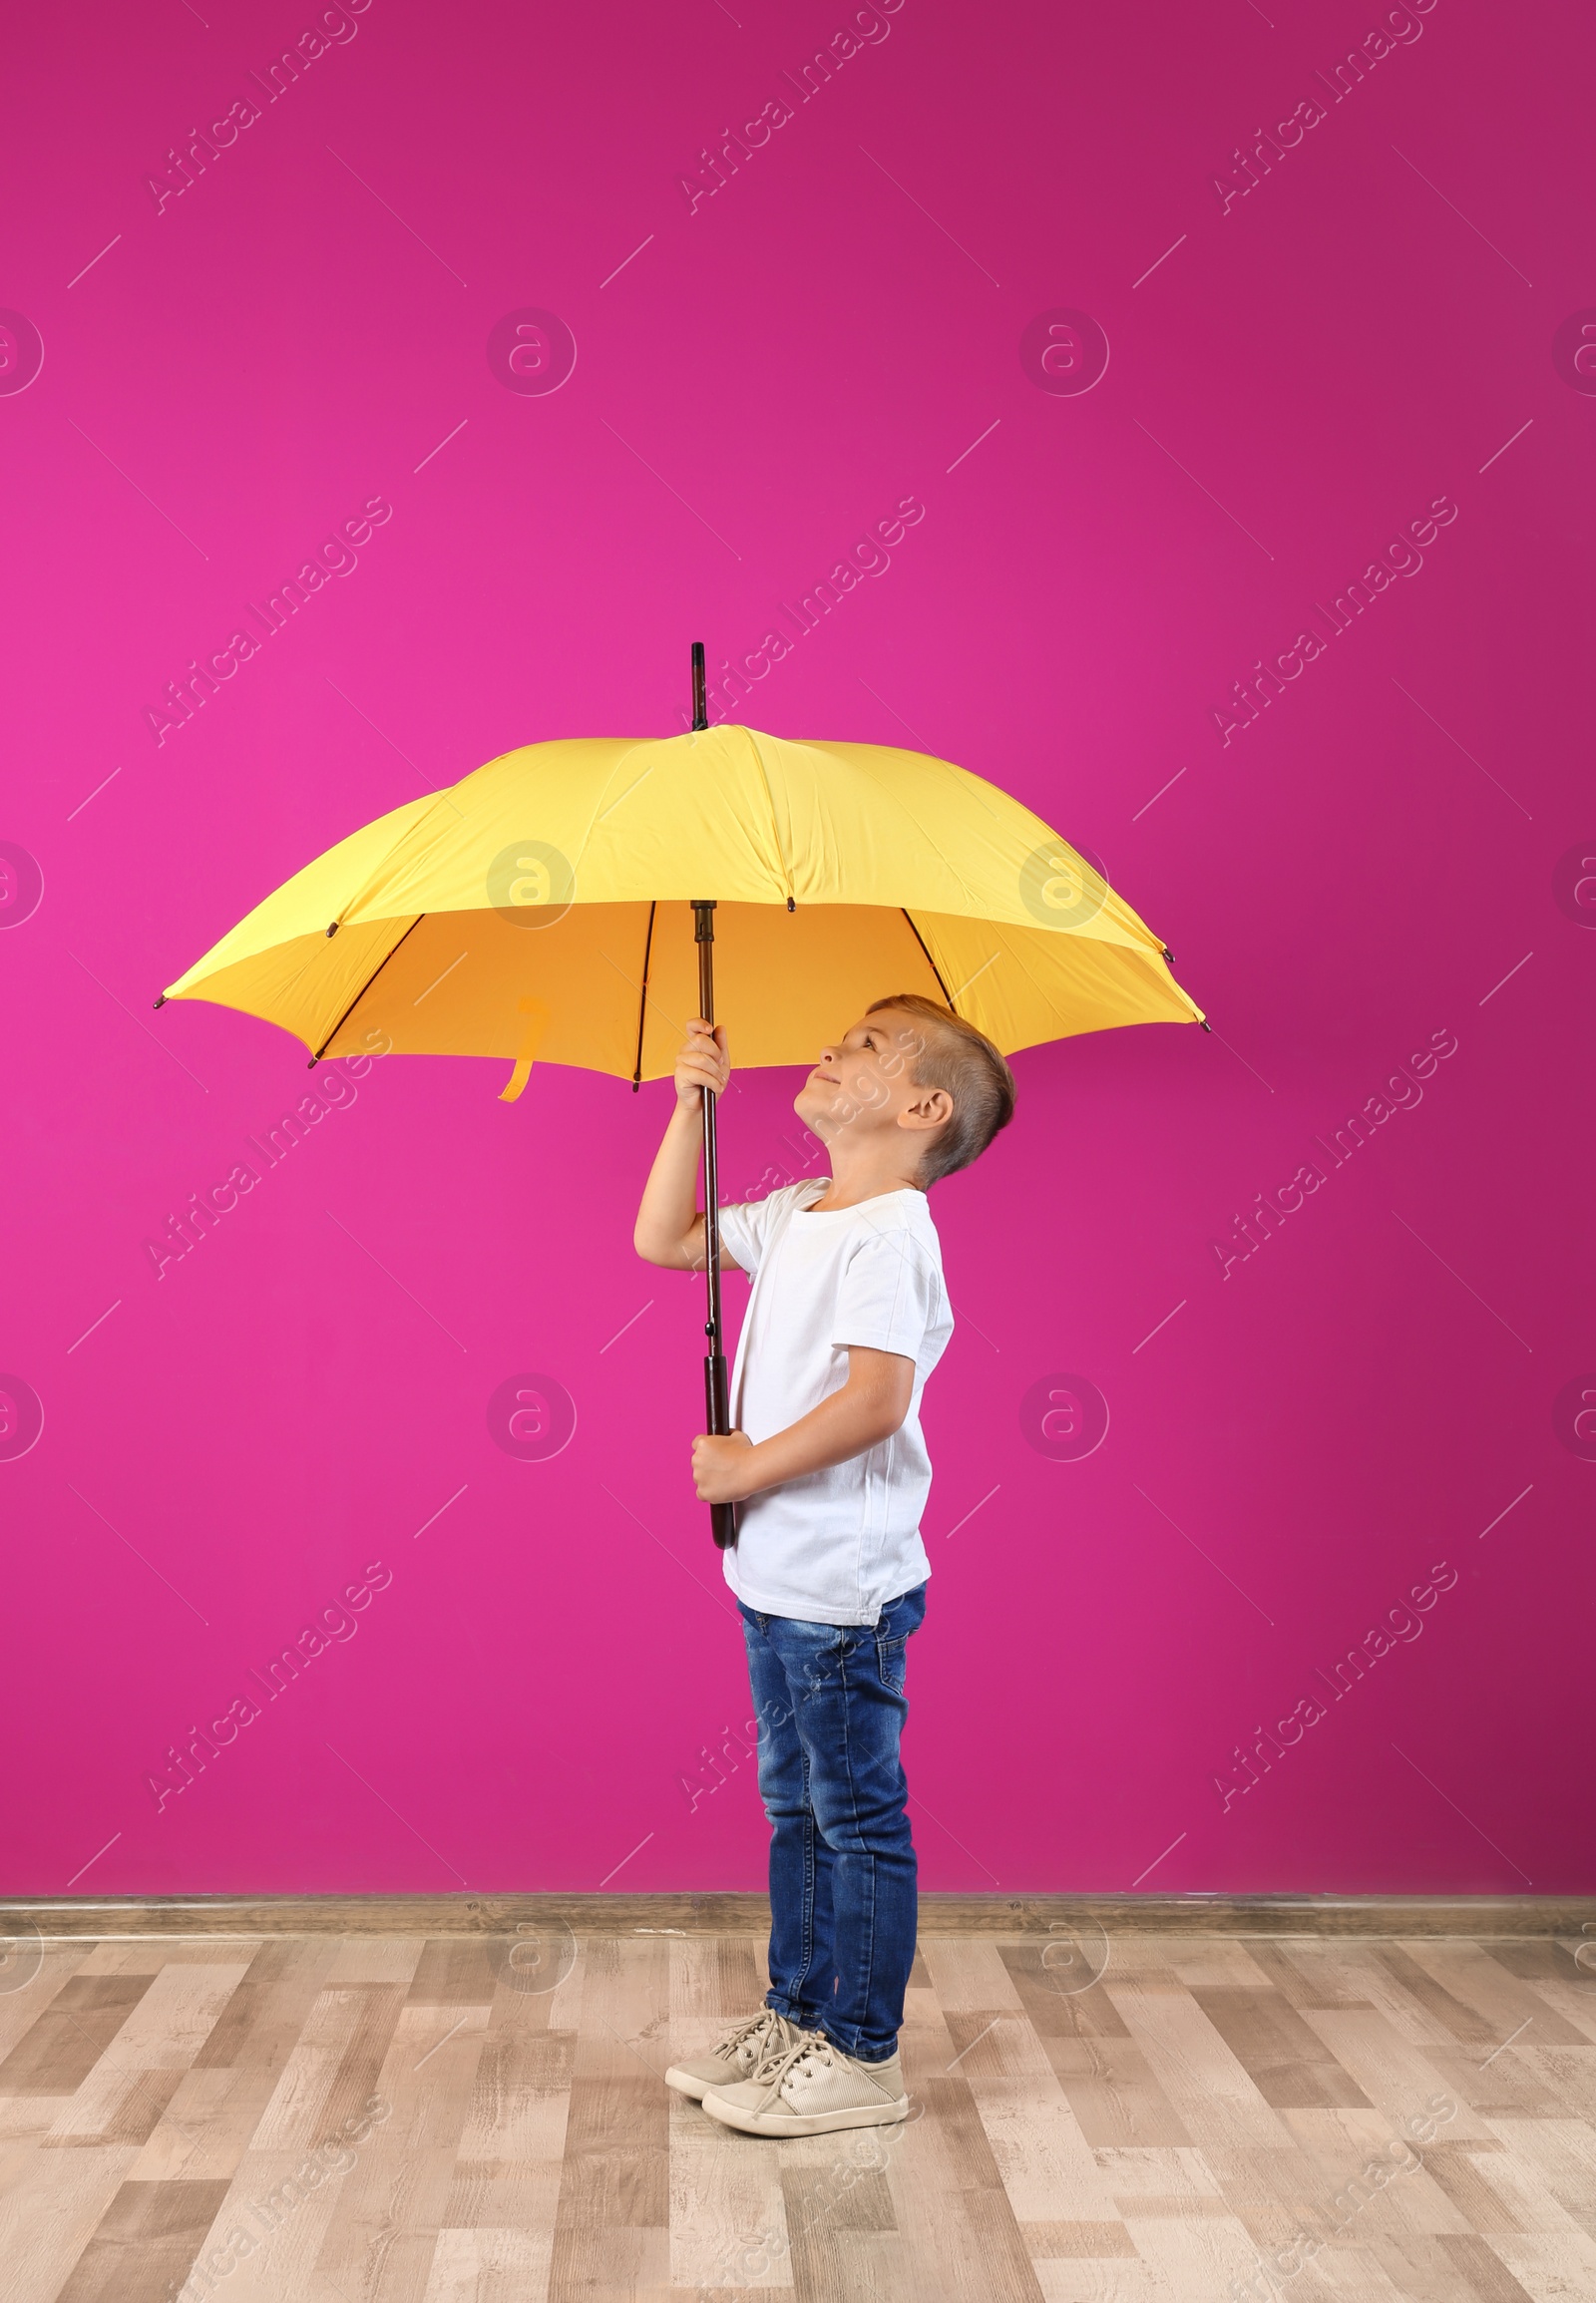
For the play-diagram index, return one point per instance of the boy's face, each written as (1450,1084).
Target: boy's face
(863,1082)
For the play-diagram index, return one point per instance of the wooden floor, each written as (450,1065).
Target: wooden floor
(396,2117)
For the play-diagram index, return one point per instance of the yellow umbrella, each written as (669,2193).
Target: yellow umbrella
(552,905)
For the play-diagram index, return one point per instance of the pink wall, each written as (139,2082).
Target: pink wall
(1377,1397)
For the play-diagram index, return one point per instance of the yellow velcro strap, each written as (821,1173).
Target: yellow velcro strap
(534,1022)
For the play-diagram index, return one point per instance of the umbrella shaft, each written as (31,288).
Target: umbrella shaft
(704,932)
(711,1233)
(722,1516)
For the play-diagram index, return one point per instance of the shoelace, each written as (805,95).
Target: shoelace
(778,2060)
(766,2027)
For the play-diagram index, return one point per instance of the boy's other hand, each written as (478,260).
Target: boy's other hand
(722,1467)
(702,1062)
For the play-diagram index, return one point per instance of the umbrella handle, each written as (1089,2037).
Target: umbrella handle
(722,1516)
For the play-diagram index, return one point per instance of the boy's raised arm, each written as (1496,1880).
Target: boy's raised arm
(671,1227)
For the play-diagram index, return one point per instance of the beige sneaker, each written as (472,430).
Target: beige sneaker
(740,2053)
(809,2088)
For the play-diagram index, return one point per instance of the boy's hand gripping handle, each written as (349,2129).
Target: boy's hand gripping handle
(722,1516)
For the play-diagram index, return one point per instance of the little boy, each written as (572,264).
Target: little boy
(846,1319)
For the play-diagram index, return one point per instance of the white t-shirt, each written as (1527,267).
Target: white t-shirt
(834,1546)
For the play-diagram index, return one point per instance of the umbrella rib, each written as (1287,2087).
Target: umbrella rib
(386,863)
(930,963)
(885,791)
(643,1002)
(775,834)
(364,988)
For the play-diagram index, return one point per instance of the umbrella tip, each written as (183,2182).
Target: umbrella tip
(161,1002)
(333,930)
(1203,1020)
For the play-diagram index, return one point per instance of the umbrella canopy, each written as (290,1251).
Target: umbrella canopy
(542,905)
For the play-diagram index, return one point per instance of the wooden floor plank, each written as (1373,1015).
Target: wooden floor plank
(1563,2152)
(1287,2061)
(1209,2087)
(1113,2092)
(35,1986)
(611,2230)
(1217,1962)
(377,1959)
(1429,1989)
(1364,1975)
(144,2244)
(339,2050)
(1500,2001)
(1449,2269)
(113,2105)
(716,1977)
(1568,2071)
(55,2054)
(1550,2267)
(456,1973)
(517,2107)
(960,2236)
(125,2095)
(1062,1998)
(1508,2082)
(485,2265)
(381,2233)
(1303,1980)
(276,2215)
(263,2019)
(49,2216)
(969,1975)
(1201,2256)
(205,2128)
(727,2210)
(1397,2077)
(1048,2170)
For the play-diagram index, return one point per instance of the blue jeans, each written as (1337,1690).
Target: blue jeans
(829,1698)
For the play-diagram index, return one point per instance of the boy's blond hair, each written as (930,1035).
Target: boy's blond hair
(952,1054)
